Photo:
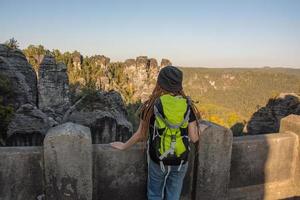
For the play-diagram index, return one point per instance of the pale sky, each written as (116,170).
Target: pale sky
(223,33)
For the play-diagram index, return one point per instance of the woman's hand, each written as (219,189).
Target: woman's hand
(193,131)
(136,137)
(118,145)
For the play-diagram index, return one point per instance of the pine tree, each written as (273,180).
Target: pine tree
(12,43)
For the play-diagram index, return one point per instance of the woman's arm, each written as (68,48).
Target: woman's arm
(136,137)
(193,131)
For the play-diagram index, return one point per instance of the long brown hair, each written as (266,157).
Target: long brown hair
(147,109)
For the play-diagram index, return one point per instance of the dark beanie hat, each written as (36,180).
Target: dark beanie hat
(170,79)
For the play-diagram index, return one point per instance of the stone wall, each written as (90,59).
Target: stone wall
(291,123)
(251,167)
(263,166)
(119,174)
(21,173)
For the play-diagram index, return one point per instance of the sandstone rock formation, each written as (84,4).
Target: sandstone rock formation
(165,62)
(104,113)
(14,66)
(134,78)
(46,102)
(53,86)
(267,119)
(152,73)
(101,61)
(142,62)
(77,61)
(142,74)
(130,63)
(152,67)
(28,127)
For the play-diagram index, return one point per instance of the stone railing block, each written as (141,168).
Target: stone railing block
(68,163)
(263,166)
(291,123)
(188,182)
(214,158)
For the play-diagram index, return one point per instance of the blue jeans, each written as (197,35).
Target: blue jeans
(165,184)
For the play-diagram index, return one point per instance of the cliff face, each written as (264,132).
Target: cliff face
(134,78)
(17,86)
(46,103)
(14,66)
(104,113)
(267,119)
(53,87)
(77,61)
(165,62)
(28,127)
(142,73)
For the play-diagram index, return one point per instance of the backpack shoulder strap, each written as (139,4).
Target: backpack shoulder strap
(189,100)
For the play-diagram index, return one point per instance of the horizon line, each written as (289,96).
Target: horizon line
(114,60)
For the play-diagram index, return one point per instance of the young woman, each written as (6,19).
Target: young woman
(167,104)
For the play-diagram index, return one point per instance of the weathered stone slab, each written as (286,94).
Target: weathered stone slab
(262,158)
(214,158)
(68,162)
(268,191)
(262,166)
(21,173)
(292,123)
(188,182)
(119,175)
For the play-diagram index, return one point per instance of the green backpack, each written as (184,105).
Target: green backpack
(170,135)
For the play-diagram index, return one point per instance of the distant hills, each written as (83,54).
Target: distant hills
(230,95)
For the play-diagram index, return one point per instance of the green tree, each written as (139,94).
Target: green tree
(35,55)
(232,119)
